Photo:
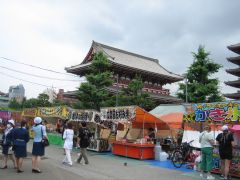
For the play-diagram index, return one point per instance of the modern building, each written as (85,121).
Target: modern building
(125,65)
(4,99)
(51,94)
(17,92)
(236,72)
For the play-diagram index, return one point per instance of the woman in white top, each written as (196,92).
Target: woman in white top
(68,144)
(206,140)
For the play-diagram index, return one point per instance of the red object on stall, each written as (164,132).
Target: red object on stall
(138,151)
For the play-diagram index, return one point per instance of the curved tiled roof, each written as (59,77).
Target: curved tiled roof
(130,60)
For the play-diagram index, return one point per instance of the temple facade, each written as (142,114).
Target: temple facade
(236,72)
(125,65)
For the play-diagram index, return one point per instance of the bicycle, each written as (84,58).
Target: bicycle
(184,154)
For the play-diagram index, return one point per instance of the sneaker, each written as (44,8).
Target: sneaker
(201,175)
(210,177)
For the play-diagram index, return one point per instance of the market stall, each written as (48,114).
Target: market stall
(215,115)
(101,131)
(133,140)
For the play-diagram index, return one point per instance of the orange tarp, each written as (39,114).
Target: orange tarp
(149,120)
(174,120)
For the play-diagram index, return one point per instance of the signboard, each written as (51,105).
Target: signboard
(59,111)
(5,115)
(123,113)
(31,112)
(227,112)
(82,115)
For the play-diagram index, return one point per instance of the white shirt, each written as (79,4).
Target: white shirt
(68,137)
(205,138)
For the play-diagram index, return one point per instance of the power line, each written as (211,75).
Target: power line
(27,81)
(37,67)
(45,77)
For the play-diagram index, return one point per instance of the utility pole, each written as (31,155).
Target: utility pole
(117,93)
(186,83)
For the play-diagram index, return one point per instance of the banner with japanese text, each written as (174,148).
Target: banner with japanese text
(30,112)
(227,112)
(59,111)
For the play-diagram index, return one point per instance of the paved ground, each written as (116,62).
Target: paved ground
(101,167)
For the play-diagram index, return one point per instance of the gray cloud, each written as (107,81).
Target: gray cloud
(57,34)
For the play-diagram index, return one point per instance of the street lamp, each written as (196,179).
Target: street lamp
(186,90)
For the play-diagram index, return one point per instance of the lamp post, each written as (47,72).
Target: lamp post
(186,88)
(117,93)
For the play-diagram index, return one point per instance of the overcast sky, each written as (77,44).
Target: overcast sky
(58,34)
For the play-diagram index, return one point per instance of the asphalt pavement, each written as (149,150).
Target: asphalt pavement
(103,166)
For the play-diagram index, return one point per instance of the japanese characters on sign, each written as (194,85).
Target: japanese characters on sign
(217,112)
(118,113)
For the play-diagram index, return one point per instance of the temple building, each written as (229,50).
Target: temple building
(125,65)
(236,72)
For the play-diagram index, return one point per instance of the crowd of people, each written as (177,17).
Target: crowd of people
(15,139)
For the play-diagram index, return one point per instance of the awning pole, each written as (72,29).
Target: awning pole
(143,123)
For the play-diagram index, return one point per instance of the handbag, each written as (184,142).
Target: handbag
(44,141)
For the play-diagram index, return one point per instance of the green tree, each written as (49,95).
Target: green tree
(133,95)
(200,87)
(93,93)
(43,100)
(13,104)
(30,103)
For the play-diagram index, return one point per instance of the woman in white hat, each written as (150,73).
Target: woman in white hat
(226,143)
(7,143)
(38,149)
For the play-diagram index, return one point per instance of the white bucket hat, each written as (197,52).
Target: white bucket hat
(11,121)
(37,120)
(225,128)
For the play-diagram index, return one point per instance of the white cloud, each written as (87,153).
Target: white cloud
(56,34)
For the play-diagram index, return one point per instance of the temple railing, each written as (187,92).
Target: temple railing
(151,89)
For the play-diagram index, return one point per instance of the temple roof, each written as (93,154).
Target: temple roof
(233,83)
(233,95)
(235,60)
(126,59)
(235,72)
(235,48)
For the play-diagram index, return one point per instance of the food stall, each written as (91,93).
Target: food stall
(99,141)
(133,140)
(215,115)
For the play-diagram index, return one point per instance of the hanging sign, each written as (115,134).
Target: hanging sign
(31,112)
(123,113)
(227,112)
(59,111)
(5,115)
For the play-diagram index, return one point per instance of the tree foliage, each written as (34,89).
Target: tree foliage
(93,93)
(13,104)
(133,95)
(200,86)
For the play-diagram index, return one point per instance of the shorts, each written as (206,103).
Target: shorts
(226,155)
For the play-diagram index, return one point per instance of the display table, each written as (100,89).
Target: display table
(138,151)
(55,139)
(235,163)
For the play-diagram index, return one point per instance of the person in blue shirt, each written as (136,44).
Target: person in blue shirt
(7,143)
(38,148)
(20,140)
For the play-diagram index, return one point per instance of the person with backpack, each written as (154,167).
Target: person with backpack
(83,142)
(226,144)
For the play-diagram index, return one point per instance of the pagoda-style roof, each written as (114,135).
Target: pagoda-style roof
(235,60)
(128,61)
(235,72)
(235,48)
(233,83)
(233,95)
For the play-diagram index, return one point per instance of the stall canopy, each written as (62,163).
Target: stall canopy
(146,119)
(170,114)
